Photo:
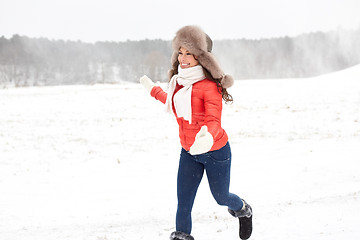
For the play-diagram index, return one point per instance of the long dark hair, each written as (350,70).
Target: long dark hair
(224,93)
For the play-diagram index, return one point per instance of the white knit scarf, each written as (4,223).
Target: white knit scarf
(182,99)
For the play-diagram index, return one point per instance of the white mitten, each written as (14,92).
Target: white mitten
(147,83)
(203,142)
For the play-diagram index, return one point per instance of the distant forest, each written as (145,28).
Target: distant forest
(28,61)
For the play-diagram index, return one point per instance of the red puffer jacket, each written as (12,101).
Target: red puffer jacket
(206,104)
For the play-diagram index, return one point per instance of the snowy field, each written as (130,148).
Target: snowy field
(100,162)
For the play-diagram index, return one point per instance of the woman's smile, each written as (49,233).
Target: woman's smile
(186,59)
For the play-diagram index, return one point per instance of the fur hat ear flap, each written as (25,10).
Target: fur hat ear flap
(174,64)
(170,73)
(227,81)
(208,61)
(174,57)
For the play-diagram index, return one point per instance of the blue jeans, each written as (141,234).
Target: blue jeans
(191,169)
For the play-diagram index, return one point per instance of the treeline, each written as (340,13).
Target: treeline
(28,61)
(38,61)
(306,55)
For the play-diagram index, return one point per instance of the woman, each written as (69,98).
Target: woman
(196,90)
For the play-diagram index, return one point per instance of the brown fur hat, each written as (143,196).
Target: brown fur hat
(200,44)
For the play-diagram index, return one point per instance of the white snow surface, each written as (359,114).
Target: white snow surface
(100,162)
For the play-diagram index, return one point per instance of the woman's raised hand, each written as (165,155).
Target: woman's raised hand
(147,83)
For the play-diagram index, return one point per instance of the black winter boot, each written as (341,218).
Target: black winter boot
(180,236)
(245,220)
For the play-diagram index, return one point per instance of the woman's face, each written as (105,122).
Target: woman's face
(186,59)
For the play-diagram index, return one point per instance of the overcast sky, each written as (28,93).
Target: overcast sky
(118,20)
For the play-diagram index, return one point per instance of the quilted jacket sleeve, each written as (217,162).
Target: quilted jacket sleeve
(213,108)
(158,94)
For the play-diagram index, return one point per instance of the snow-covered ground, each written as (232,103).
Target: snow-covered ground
(100,162)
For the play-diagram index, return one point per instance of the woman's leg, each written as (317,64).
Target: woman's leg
(190,174)
(218,167)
